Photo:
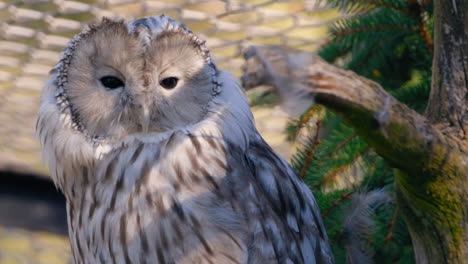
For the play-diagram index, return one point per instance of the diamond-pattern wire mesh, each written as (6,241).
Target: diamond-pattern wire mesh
(33,32)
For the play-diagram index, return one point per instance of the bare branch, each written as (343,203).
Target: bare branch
(402,136)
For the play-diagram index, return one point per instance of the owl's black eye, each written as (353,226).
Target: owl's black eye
(111,82)
(169,83)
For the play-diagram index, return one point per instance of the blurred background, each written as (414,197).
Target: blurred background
(32,34)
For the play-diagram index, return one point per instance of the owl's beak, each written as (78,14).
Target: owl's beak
(145,118)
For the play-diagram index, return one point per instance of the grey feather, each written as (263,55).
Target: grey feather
(359,223)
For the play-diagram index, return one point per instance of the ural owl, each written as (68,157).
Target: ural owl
(156,152)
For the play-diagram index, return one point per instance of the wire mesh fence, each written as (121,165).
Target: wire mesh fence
(33,32)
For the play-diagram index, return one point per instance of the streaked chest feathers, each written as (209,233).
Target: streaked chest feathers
(156,201)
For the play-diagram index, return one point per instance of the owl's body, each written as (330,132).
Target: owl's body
(158,157)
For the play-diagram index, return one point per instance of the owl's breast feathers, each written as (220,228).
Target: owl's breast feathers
(194,199)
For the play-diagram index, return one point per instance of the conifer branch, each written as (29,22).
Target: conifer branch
(426,3)
(310,151)
(427,38)
(387,5)
(365,59)
(373,28)
(333,174)
(292,135)
(335,171)
(391,225)
(337,55)
(336,203)
(340,146)
(424,32)
(336,236)
(417,11)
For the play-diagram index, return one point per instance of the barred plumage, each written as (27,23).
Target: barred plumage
(160,174)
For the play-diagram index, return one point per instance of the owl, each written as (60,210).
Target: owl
(156,152)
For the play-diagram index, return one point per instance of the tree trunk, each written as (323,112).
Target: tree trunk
(448,98)
(435,209)
(430,152)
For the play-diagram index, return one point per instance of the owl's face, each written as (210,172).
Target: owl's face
(149,75)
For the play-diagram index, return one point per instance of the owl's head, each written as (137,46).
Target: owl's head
(118,82)
(147,75)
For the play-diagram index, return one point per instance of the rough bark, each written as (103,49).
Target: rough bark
(430,152)
(449,91)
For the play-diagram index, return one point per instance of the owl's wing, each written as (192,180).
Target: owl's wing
(293,203)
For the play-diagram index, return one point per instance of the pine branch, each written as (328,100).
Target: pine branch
(292,135)
(427,38)
(348,5)
(335,171)
(379,48)
(389,235)
(424,32)
(426,3)
(336,203)
(337,236)
(339,54)
(340,146)
(310,151)
(373,28)
(365,59)
(417,11)
(333,174)
(387,5)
